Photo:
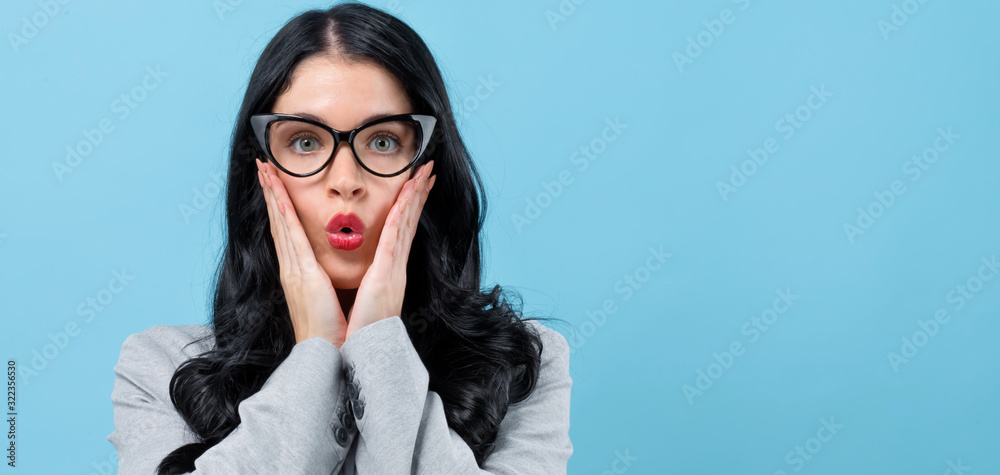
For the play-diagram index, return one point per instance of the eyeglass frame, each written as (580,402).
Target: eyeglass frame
(261,126)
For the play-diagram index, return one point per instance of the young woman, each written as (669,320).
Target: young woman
(350,333)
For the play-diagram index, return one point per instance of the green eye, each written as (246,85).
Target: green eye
(383,143)
(305,144)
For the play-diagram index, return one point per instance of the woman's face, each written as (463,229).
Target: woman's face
(343,96)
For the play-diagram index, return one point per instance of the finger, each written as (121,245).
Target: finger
(406,194)
(296,234)
(273,216)
(387,241)
(413,211)
(390,243)
(414,201)
(286,260)
(402,227)
(285,234)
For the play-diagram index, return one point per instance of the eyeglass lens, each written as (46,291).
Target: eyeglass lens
(385,147)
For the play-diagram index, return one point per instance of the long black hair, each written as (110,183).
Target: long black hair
(481,355)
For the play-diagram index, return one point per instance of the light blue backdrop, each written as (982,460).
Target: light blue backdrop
(786,211)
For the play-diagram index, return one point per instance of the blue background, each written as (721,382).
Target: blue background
(656,182)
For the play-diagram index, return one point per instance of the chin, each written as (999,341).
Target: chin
(343,275)
(341,281)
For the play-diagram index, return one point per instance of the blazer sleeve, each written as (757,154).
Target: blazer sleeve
(297,423)
(402,426)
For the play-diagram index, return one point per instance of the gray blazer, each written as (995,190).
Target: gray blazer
(372,414)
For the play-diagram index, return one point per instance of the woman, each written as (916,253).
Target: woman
(350,333)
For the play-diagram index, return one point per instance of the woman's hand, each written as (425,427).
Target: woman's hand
(312,301)
(380,294)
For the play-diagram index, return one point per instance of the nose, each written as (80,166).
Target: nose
(344,175)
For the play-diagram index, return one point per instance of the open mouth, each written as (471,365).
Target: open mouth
(345,231)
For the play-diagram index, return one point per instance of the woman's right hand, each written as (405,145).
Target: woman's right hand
(311,298)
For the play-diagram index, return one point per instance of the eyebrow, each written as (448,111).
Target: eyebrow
(365,121)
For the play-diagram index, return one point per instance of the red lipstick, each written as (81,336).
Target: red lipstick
(345,231)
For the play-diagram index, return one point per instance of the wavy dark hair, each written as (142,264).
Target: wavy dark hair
(481,355)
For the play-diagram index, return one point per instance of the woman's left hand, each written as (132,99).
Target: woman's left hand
(380,294)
